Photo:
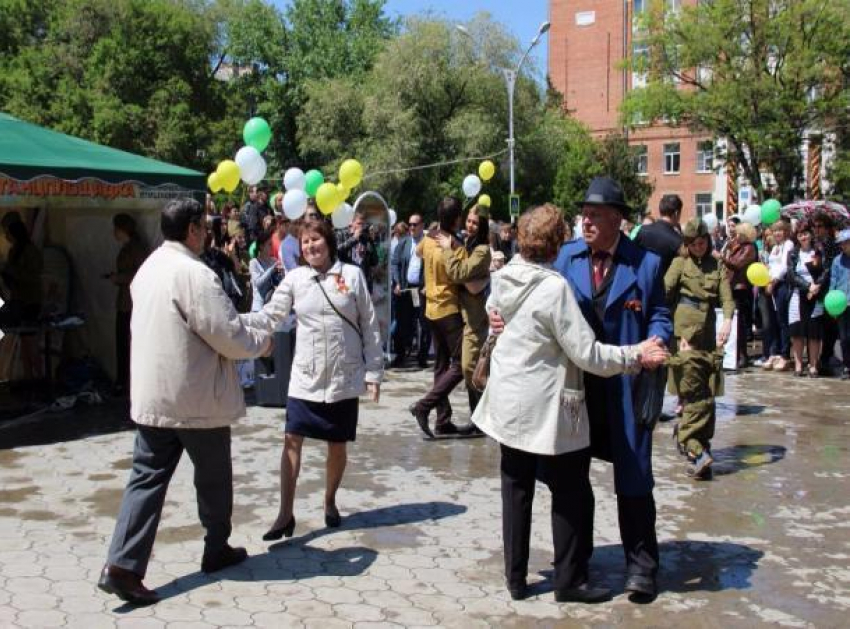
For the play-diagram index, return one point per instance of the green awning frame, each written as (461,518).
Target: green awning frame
(28,151)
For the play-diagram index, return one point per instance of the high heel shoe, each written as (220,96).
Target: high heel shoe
(284,531)
(333,520)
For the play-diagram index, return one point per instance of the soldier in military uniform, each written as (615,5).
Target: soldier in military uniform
(696,284)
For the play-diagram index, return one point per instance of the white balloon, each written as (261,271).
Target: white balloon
(252,166)
(294,179)
(752,215)
(471,186)
(393,217)
(710,221)
(342,216)
(294,204)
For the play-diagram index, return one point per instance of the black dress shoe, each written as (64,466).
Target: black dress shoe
(284,531)
(224,558)
(583,594)
(422,420)
(448,428)
(126,585)
(642,588)
(518,591)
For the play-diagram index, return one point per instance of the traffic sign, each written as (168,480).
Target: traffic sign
(514,205)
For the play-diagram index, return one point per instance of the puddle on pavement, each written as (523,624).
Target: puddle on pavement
(391,537)
(123,464)
(10,458)
(39,515)
(8,513)
(178,534)
(101,476)
(105,501)
(13,496)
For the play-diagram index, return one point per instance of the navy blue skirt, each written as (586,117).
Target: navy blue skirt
(334,421)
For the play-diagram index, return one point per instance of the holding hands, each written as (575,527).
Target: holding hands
(653,353)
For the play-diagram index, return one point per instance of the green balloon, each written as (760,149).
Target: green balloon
(257,133)
(835,302)
(314,178)
(770,211)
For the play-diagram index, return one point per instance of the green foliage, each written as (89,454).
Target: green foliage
(584,158)
(759,73)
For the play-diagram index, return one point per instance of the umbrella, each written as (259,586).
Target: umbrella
(808,209)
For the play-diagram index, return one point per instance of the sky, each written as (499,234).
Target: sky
(521,17)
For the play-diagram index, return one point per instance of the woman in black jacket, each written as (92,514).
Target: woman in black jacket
(805,310)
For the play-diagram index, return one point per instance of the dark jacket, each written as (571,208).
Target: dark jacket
(635,311)
(662,239)
(253,213)
(737,260)
(130,258)
(400,262)
(816,268)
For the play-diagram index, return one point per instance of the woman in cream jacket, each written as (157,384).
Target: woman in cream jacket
(337,359)
(534,403)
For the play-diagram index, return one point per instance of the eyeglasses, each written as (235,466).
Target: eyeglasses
(414,224)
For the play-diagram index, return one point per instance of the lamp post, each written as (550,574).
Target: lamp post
(510,77)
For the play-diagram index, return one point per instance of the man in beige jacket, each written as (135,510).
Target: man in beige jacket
(184,394)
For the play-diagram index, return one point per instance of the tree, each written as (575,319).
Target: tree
(758,73)
(584,158)
(132,74)
(430,97)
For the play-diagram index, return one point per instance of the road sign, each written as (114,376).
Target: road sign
(514,205)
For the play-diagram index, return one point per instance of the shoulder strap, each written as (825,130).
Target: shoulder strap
(336,310)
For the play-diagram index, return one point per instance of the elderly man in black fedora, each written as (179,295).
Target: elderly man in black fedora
(620,290)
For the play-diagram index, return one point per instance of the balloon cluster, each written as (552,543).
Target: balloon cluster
(472,183)
(330,197)
(766,214)
(248,165)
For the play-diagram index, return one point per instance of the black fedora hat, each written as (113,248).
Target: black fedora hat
(606,191)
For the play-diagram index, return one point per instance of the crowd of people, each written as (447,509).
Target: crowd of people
(579,329)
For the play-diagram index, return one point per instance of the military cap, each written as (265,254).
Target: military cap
(694,228)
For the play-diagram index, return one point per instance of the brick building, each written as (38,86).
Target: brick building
(588,41)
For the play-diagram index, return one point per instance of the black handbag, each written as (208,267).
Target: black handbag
(648,396)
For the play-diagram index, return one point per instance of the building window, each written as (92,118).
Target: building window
(639,6)
(672,159)
(705,157)
(703,203)
(640,63)
(641,160)
(673,6)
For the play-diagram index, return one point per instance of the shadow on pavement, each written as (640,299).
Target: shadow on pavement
(738,458)
(46,427)
(296,559)
(686,566)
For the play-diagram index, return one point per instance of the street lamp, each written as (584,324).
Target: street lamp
(510,80)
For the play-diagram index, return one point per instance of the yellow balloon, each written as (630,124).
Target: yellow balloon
(350,173)
(484,200)
(327,198)
(486,170)
(214,182)
(342,192)
(228,175)
(758,274)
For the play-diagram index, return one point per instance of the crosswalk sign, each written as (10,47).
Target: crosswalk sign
(514,207)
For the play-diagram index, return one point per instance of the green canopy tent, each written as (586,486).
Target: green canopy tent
(28,151)
(67,190)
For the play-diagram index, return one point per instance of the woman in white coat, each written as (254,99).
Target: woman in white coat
(534,404)
(337,358)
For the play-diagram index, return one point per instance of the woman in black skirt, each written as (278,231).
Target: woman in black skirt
(338,358)
(805,310)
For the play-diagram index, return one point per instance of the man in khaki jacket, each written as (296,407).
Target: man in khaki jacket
(184,394)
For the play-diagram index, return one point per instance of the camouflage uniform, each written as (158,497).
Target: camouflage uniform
(695,287)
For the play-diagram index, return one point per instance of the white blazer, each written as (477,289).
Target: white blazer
(331,363)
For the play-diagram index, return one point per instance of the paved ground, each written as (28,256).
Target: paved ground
(766,543)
